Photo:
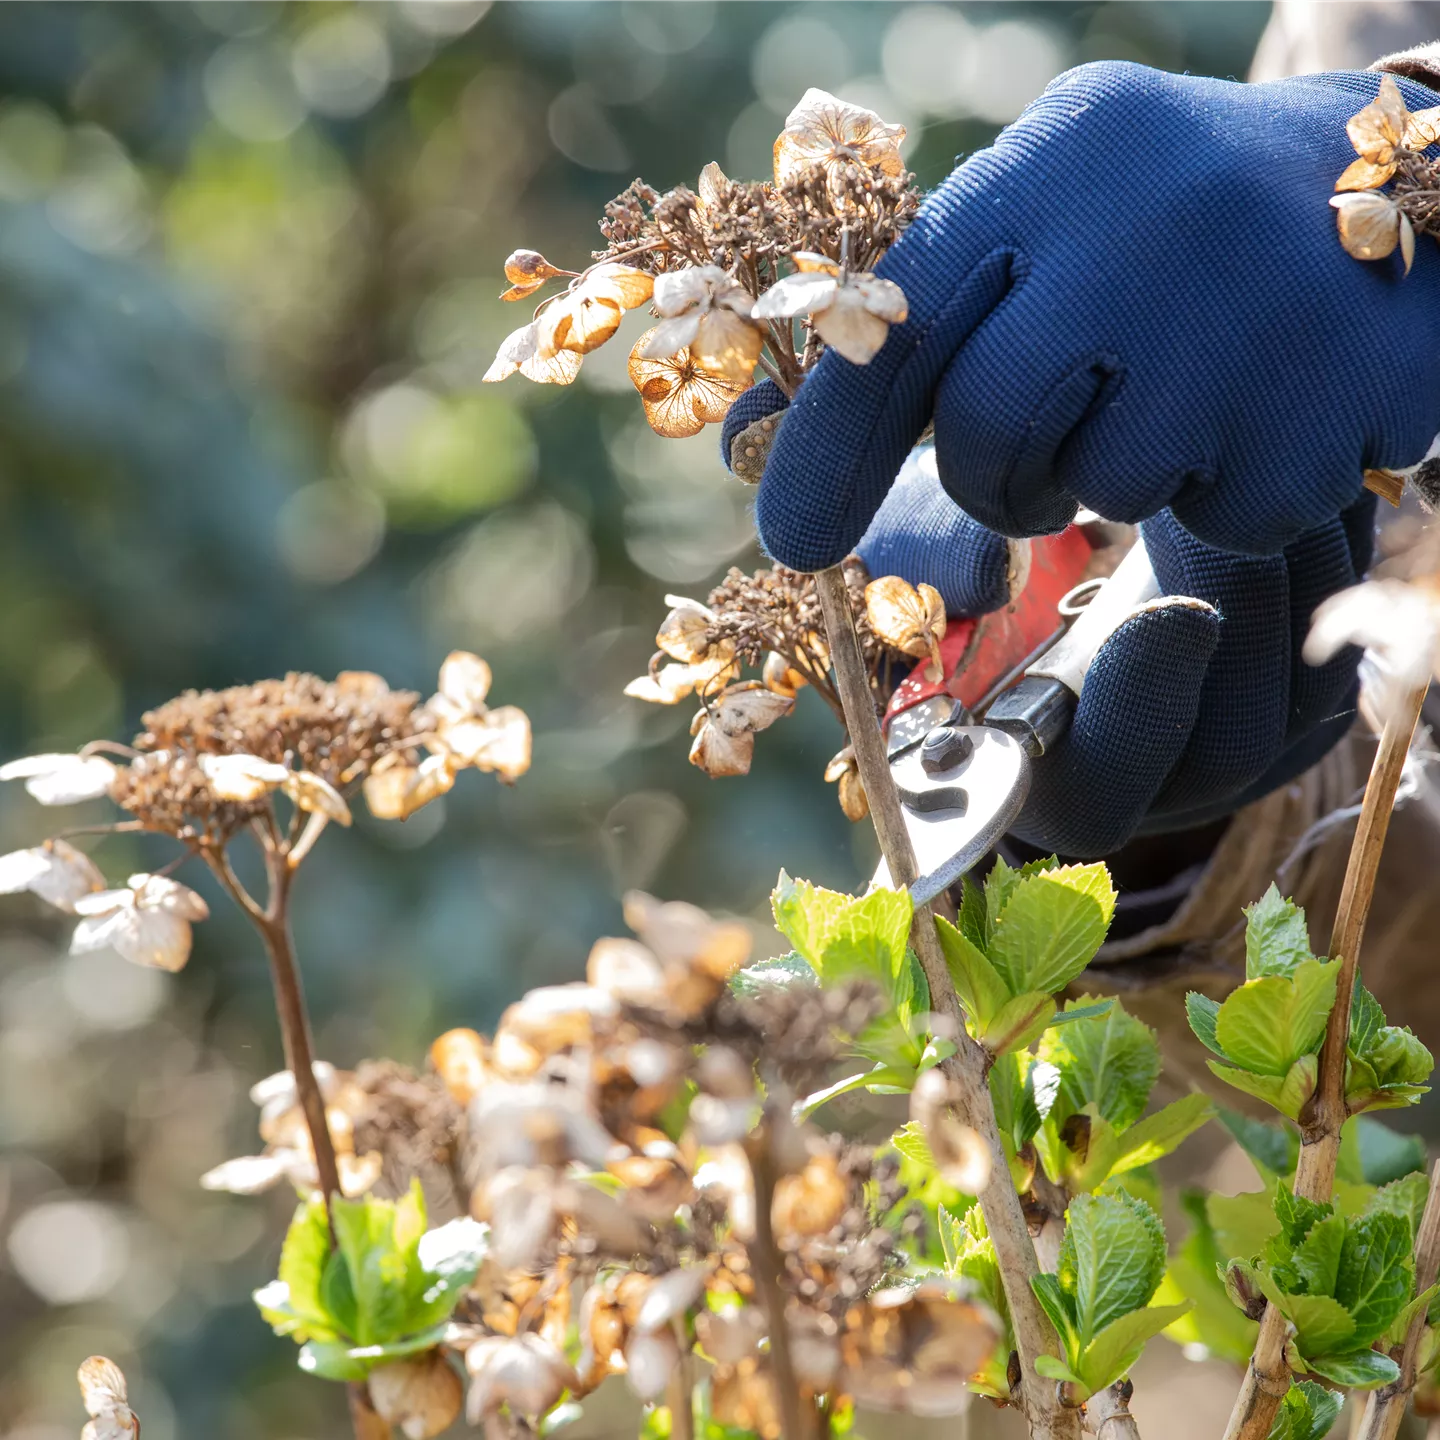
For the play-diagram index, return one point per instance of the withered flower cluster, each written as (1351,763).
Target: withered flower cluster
(739,274)
(1389,143)
(208,766)
(771,621)
(651,1202)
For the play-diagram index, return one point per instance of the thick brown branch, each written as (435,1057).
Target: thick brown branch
(968,1067)
(1267,1377)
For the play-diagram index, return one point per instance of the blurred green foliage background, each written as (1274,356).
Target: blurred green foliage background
(249,255)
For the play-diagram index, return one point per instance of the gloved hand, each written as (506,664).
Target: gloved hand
(1187,713)
(1134,300)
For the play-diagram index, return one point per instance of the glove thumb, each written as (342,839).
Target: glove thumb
(745,421)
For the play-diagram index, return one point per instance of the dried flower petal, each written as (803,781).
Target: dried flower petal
(316,795)
(909,618)
(459,1059)
(684,934)
(680,396)
(725,732)
(465,681)
(1422,128)
(1361,174)
(811,1202)
(780,676)
(823,130)
(499,742)
(517,352)
(241,778)
(845,769)
(421,1396)
(588,314)
(527,1373)
(62,779)
(393,790)
(249,1174)
(56,871)
(1369,223)
(670,684)
(710,187)
(148,923)
(650,1361)
(707,313)
(103,1391)
(682,634)
(1376,130)
(961,1156)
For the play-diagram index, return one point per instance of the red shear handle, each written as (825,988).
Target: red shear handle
(977,654)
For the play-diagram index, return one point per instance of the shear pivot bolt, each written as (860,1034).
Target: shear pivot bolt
(945,748)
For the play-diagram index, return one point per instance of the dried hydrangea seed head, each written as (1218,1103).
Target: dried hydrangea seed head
(335,730)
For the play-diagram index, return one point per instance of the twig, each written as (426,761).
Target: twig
(365,1420)
(1267,1377)
(1107,1415)
(766,1263)
(968,1067)
(1385,1408)
(680,1396)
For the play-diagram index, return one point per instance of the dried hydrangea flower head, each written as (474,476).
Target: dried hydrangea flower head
(771,621)
(1388,141)
(106,1400)
(713,259)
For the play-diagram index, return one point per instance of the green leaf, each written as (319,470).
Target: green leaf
(788,969)
(1051,926)
(1316,1260)
(1060,1308)
(1055,1369)
(1395,1335)
(1202,1013)
(1110,1355)
(1275,1148)
(1322,1325)
(302,1260)
(374,1248)
(981,990)
(1265,1025)
(1366,1019)
(1111,1258)
(1376,1272)
(910,1141)
(1405,1198)
(842,937)
(337,1294)
(973,923)
(1385,1155)
(1018,1023)
(1398,1057)
(1000,884)
(331,1360)
(952,1239)
(1157,1135)
(1308,1412)
(1111,1062)
(1268,1088)
(1276,938)
(1297,1214)
(1078,1011)
(1356,1369)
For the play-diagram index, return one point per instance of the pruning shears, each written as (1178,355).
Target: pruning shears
(962,780)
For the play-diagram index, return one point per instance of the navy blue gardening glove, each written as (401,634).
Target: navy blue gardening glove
(1135,300)
(1187,712)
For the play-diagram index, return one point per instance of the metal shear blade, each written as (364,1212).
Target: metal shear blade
(954,816)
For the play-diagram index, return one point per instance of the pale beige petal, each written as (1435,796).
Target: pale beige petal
(102,1385)
(780,676)
(1422,128)
(1376,130)
(710,396)
(62,779)
(359,1173)
(749,707)
(668,686)
(245,1175)
(849,328)
(712,182)
(809,262)
(465,680)
(672,335)
(56,871)
(241,778)
(529,267)
(1407,241)
(386,789)
(1362,175)
(434,777)
(883,298)
(728,346)
(515,349)
(802,294)
(1369,224)
(854,802)
(315,794)
(678,290)
(160,892)
(154,938)
(683,633)
(626,970)
(828,131)
(578,321)
(717,753)
(504,743)
(622,285)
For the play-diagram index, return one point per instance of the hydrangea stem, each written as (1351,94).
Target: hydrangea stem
(1267,1377)
(968,1067)
(1385,1408)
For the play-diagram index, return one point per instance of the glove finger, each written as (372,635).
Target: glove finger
(757,403)
(1244,708)
(920,534)
(1006,411)
(851,426)
(1092,789)
(1320,563)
